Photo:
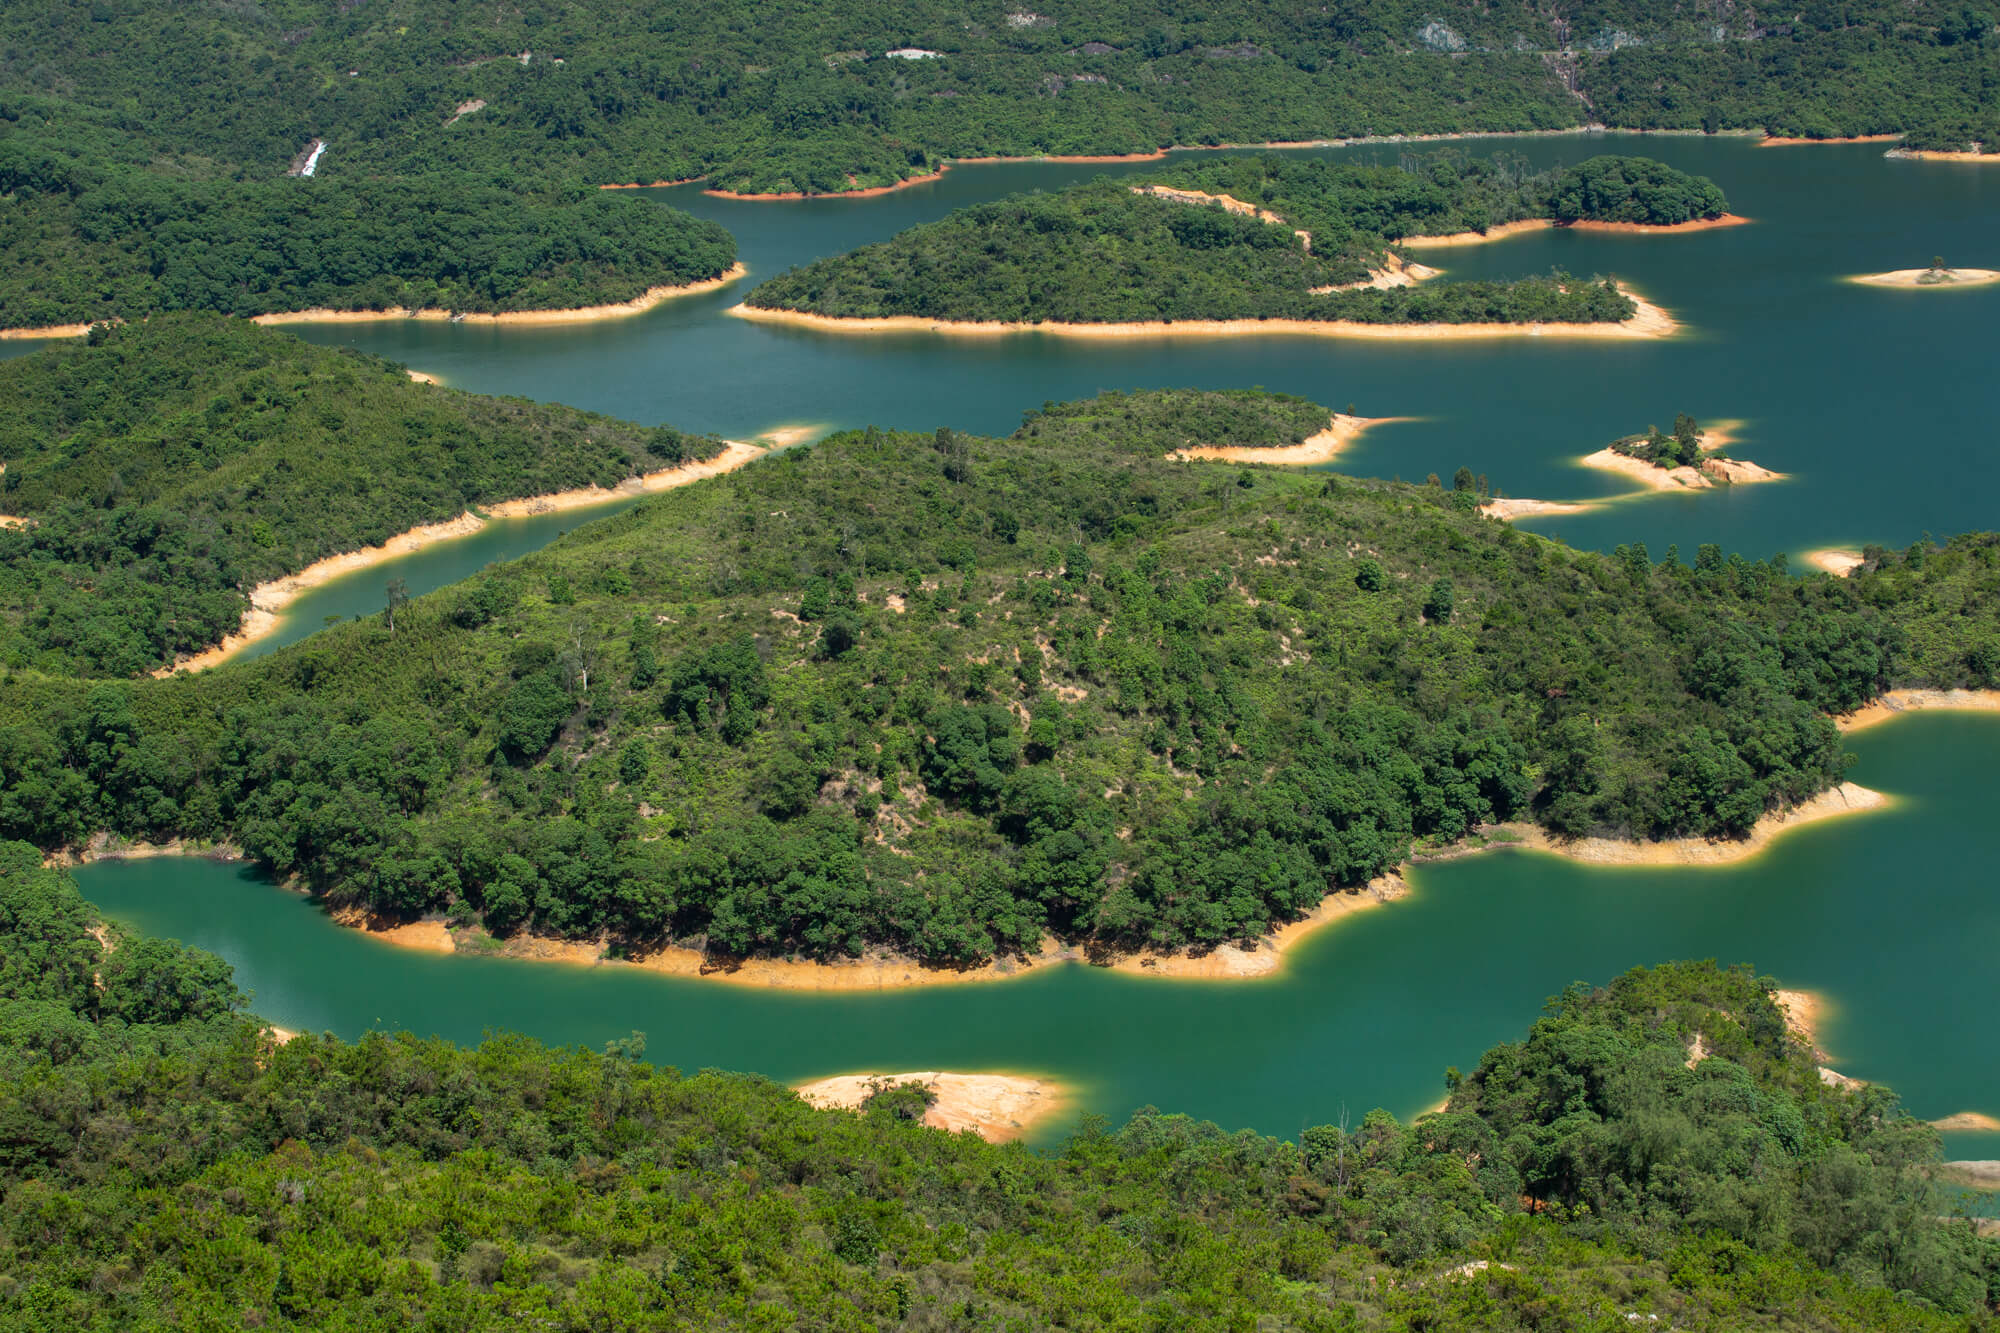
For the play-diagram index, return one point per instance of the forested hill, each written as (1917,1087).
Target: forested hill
(1238,238)
(806,96)
(166,1167)
(946,694)
(168,466)
(84,237)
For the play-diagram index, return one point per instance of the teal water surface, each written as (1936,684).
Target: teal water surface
(1892,915)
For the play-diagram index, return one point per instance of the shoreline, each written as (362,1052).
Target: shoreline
(48,331)
(1915,277)
(1847,799)
(1523,225)
(1895,703)
(1341,431)
(1508,508)
(1781,141)
(998,1107)
(269,599)
(1647,321)
(638,305)
(1939,155)
(1835,560)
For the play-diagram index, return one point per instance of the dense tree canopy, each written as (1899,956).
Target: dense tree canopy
(167,467)
(946,694)
(165,1165)
(1116,252)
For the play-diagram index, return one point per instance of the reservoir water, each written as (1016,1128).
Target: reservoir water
(1880,405)
(1891,915)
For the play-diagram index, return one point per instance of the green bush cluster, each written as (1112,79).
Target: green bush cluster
(165,1165)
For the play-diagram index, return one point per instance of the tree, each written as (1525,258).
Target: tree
(399,594)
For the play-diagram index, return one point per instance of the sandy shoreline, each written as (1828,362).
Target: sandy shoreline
(47,331)
(997,1107)
(1507,508)
(1846,799)
(1780,141)
(638,305)
(1516,228)
(1975,1121)
(268,600)
(1932,155)
(1897,702)
(1924,279)
(1341,431)
(1647,321)
(1836,561)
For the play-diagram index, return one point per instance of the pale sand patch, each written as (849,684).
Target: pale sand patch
(10,521)
(997,1107)
(1803,1010)
(1647,321)
(1457,238)
(429,936)
(1836,561)
(1780,141)
(1652,229)
(1648,476)
(875,971)
(1972,1175)
(783,437)
(1897,702)
(47,331)
(1228,204)
(1396,271)
(638,305)
(1926,278)
(280,1035)
(268,600)
(1846,799)
(1739,471)
(1506,229)
(1507,509)
(1969,1120)
(1230,962)
(1711,471)
(1926,155)
(422,376)
(1341,431)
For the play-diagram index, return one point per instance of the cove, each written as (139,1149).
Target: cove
(1890,915)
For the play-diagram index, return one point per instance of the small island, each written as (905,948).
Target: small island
(1690,458)
(1937,275)
(1249,244)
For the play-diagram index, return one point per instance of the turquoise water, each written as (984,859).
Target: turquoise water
(1892,915)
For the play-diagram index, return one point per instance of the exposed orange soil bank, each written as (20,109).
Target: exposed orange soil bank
(1897,702)
(638,305)
(1780,141)
(1923,278)
(1230,962)
(997,1107)
(1926,155)
(1507,229)
(1647,321)
(656,185)
(1341,431)
(268,600)
(1395,272)
(1839,563)
(48,331)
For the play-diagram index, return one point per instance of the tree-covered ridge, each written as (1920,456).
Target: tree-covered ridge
(166,1166)
(87,239)
(168,466)
(945,695)
(799,96)
(1112,252)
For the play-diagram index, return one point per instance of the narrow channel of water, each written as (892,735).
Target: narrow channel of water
(1891,915)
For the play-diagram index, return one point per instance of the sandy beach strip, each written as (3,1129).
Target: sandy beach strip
(1837,561)
(1507,509)
(1846,799)
(1647,321)
(1781,141)
(1933,155)
(1898,702)
(47,331)
(1323,447)
(1926,279)
(1803,1011)
(997,1107)
(268,600)
(1523,225)
(638,305)
(422,376)
(1266,957)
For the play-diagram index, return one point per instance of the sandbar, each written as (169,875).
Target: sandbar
(1647,321)
(1836,561)
(1925,279)
(638,305)
(1931,155)
(1976,1121)
(268,600)
(1341,431)
(1781,141)
(1846,799)
(997,1107)
(1506,508)
(1897,702)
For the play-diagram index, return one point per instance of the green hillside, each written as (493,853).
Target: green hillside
(167,467)
(165,1167)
